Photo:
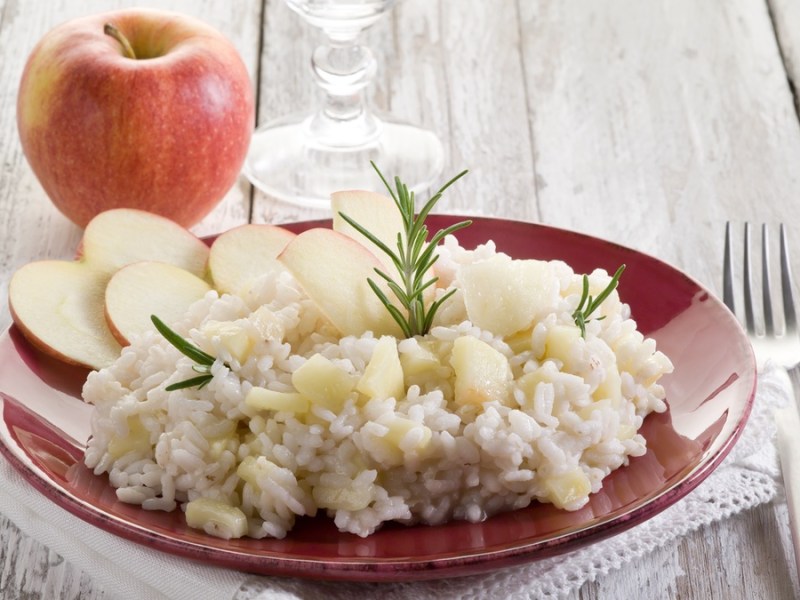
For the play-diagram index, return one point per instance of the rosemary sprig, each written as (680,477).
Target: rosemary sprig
(587,305)
(188,349)
(413,258)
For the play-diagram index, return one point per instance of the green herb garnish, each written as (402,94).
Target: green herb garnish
(587,305)
(413,258)
(203,359)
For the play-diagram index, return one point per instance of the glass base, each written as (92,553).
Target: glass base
(288,164)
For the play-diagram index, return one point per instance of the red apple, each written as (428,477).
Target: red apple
(165,131)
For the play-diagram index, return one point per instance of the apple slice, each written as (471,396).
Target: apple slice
(122,236)
(379,215)
(375,212)
(58,306)
(333,270)
(243,253)
(149,288)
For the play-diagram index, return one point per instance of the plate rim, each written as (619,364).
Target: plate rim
(410,568)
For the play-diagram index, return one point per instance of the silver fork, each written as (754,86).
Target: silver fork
(781,347)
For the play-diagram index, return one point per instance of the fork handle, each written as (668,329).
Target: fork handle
(787,421)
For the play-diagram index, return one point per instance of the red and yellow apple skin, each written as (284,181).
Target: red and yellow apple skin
(166,132)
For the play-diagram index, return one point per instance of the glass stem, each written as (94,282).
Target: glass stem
(343,69)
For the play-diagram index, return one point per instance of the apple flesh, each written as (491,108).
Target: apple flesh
(333,270)
(374,212)
(149,288)
(58,306)
(383,376)
(482,373)
(166,131)
(243,253)
(119,237)
(379,215)
(506,296)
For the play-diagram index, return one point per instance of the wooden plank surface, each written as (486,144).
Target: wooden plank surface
(651,119)
(647,123)
(785,18)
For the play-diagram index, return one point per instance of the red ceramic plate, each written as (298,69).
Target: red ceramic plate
(44,427)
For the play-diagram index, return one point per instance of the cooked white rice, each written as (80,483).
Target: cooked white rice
(420,458)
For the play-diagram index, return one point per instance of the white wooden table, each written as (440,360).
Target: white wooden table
(646,123)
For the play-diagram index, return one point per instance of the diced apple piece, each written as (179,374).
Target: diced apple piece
(342,498)
(58,306)
(568,490)
(243,253)
(377,213)
(381,450)
(261,398)
(388,439)
(268,324)
(520,341)
(505,295)
(418,359)
(333,270)
(611,386)
(232,336)
(560,343)
(323,382)
(149,288)
(399,427)
(263,474)
(216,518)
(137,439)
(383,377)
(481,372)
(122,236)
(253,468)
(529,381)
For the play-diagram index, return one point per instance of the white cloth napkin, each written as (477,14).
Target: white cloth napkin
(749,476)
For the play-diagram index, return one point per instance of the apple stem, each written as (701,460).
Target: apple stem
(127,49)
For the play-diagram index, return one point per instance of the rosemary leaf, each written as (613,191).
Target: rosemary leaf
(434,307)
(587,305)
(393,310)
(199,381)
(413,259)
(203,359)
(185,347)
(367,234)
(607,291)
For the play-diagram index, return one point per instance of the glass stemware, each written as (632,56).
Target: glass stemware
(302,158)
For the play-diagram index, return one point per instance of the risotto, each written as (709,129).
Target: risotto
(479,416)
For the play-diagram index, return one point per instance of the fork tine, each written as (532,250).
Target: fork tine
(727,271)
(749,319)
(787,285)
(766,287)
(776,341)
